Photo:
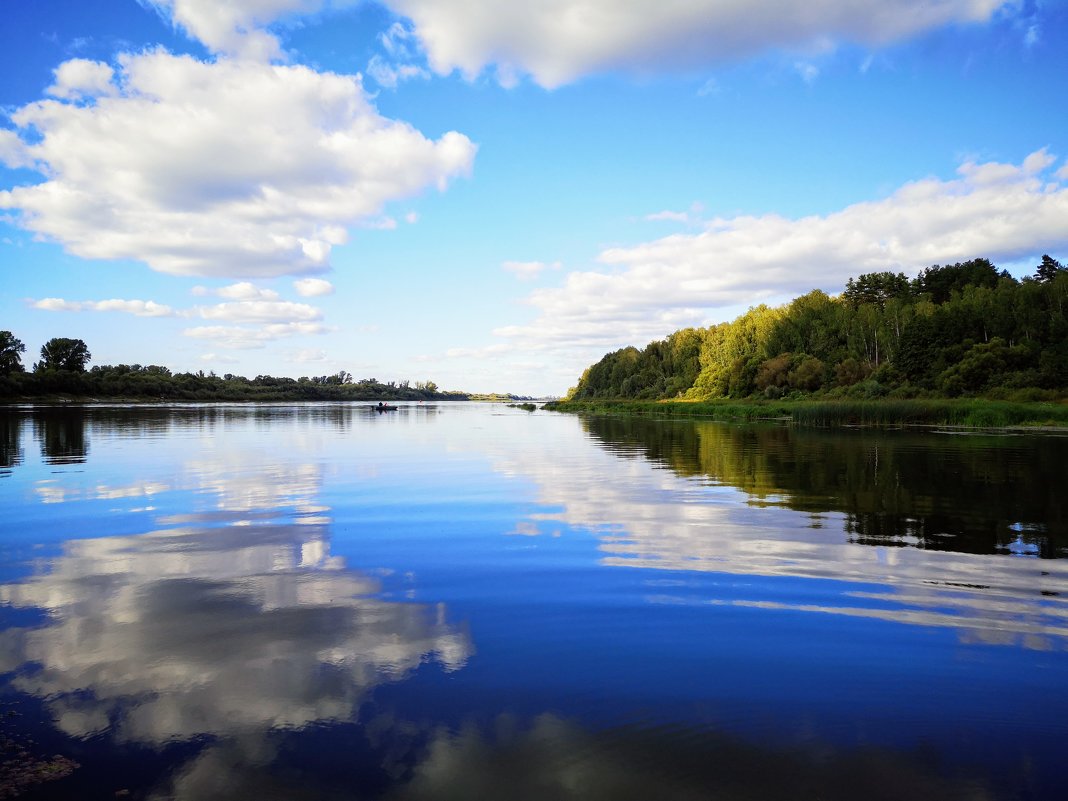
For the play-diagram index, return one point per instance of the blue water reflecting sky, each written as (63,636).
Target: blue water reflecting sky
(445,600)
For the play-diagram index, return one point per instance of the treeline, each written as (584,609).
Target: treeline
(964,329)
(62,371)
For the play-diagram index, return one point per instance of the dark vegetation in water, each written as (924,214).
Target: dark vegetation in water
(61,372)
(21,767)
(960,330)
(894,488)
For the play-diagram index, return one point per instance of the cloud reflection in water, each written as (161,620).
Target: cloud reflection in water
(225,624)
(725,506)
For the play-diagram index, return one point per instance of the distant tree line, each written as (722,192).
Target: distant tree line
(959,329)
(62,371)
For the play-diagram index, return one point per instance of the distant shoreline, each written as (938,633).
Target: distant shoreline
(84,400)
(971,413)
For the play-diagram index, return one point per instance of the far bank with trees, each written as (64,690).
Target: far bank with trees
(63,373)
(965,330)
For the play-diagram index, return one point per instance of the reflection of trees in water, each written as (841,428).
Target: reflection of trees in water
(61,434)
(160,420)
(974,494)
(553,758)
(10,440)
(64,434)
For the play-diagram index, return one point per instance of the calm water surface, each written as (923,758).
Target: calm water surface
(467,601)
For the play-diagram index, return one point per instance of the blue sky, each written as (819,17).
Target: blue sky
(492,195)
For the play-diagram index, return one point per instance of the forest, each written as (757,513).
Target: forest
(63,372)
(959,330)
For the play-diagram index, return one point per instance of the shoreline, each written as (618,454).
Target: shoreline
(974,415)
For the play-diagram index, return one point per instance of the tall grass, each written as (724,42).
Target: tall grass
(971,413)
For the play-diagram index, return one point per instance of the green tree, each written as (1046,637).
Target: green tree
(61,353)
(941,282)
(11,350)
(876,288)
(1049,268)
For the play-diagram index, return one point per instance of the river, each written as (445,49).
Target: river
(470,601)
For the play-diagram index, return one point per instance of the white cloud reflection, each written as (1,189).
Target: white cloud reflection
(224,622)
(647,516)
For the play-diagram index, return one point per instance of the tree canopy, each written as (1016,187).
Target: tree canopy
(61,353)
(58,373)
(11,350)
(959,329)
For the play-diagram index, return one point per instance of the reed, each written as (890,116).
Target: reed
(969,413)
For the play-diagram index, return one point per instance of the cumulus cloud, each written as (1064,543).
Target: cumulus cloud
(557,41)
(13,152)
(224,168)
(528,270)
(313,287)
(1000,211)
(140,308)
(234,27)
(81,77)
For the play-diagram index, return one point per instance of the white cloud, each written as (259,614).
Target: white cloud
(1000,211)
(399,41)
(244,290)
(692,215)
(557,41)
(402,48)
(57,304)
(140,308)
(13,152)
(233,27)
(80,78)
(313,287)
(528,270)
(224,168)
(260,311)
(241,338)
(389,75)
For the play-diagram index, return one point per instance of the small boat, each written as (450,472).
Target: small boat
(382,407)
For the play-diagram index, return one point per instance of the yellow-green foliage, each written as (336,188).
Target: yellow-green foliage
(962,329)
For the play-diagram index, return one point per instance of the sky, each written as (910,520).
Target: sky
(491,195)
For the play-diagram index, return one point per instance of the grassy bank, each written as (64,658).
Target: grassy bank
(972,412)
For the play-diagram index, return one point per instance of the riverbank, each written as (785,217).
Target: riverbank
(965,413)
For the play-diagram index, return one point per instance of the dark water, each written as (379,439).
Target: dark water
(473,602)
